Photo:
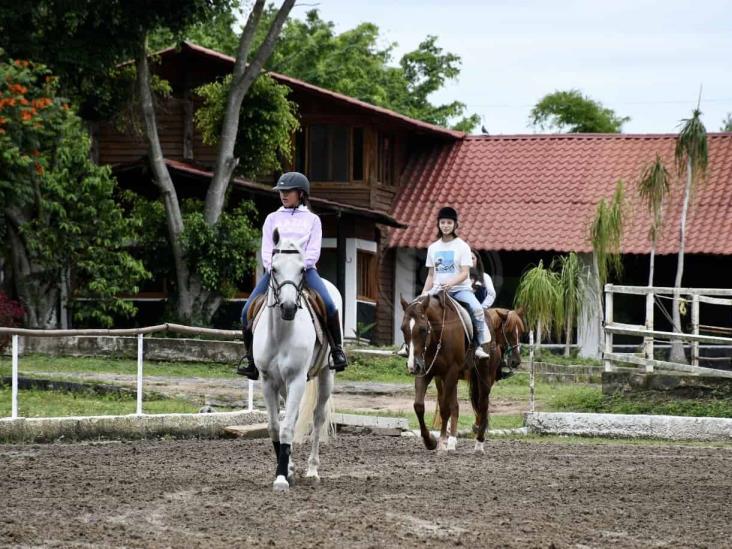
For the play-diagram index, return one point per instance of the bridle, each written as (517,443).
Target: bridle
(429,333)
(510,348)
(276,287)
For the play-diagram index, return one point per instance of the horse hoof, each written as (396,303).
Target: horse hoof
(479,448)
(312,474)
(451,443)
(280,484)
(430,443)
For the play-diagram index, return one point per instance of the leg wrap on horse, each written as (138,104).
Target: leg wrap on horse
(283,460)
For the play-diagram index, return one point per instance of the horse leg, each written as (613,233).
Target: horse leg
(272,403)
(325,386)
(420,388)
(437,418)
(484,381)
(295,390)
(448,407)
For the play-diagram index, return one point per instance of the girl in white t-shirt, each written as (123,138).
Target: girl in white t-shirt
(448,263)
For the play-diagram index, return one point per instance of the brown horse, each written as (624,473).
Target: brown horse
(438,348)
(508,325)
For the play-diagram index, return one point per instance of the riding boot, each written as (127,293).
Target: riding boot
(336,343)
(246,365)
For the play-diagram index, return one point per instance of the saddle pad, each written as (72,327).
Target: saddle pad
(464,316)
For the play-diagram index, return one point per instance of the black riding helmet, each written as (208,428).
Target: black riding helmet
(447,213)
(292,180)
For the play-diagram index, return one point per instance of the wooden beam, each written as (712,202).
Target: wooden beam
(634,359)
(640,331)
(665,290)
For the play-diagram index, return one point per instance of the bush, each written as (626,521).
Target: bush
(11,316)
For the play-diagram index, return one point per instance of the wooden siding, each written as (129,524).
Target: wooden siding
(345,193)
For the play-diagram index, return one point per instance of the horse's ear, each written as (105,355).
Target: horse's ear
(503,313)
(404,302)
(425,301)
(276,236)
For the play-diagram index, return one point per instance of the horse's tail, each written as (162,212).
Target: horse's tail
(304,424)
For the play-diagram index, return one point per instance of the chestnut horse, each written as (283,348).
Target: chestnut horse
(508,325)
(438,348)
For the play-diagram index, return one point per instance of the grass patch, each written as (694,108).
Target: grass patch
(58,404)
(29,364)
(379,369)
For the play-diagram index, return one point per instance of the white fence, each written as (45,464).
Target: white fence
(715,296)
(139,332)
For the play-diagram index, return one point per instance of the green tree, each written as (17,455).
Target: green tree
(727,124)
(97,36)
(572,112)
(354,63)
(606,237)
(575,287)
(59,216)
(539,293)
(691,159)
(653,188)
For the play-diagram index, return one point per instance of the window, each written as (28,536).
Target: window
(366,278)
(328,148)
(385,159)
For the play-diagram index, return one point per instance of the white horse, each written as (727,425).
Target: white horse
(284,346)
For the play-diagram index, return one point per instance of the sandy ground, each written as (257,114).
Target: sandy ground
(375,492)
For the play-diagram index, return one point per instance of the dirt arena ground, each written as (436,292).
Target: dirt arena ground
(375,492)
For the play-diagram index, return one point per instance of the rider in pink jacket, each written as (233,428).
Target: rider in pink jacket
(294,220)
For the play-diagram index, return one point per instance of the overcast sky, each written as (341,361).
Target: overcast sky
(642,58)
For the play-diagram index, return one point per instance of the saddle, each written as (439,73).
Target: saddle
(316,307)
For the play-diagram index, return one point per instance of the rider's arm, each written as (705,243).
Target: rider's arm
(267,243)
(490,291)
(428,283)
(458,278)
(312,249)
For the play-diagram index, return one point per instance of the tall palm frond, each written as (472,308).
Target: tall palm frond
(606,234)
(540,295)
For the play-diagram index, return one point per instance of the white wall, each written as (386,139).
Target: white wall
(590,325)
(405,278)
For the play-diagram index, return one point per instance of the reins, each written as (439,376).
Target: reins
(276,287)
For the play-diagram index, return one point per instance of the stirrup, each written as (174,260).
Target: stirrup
(480,353)
(247,368)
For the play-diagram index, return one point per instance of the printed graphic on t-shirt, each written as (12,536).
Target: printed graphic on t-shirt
(445,262)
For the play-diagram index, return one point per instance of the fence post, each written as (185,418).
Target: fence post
(531,372)
(14,382)
(608,335)
(695,329)
(139,374)
(648,347)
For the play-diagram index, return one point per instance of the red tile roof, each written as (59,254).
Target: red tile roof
(539,192)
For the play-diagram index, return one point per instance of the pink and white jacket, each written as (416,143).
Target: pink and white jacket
(295,223)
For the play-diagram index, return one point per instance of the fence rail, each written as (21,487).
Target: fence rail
(713,296)
(139,332)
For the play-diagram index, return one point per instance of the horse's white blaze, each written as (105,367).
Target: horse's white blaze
(410,360)
(451,443)
(518,342)
(479,447)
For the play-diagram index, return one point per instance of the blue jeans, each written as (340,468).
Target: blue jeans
(468,297)
(313,281)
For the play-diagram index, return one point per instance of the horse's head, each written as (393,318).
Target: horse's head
(512,329)
(287,275)
(417,332)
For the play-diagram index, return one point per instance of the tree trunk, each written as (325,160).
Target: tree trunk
(599,293)
(36,288)
(242,78)
(677,346)
(652,265)
(538,335)
(568,336)
(161,177)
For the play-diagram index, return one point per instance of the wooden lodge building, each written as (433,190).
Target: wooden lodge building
(378,179)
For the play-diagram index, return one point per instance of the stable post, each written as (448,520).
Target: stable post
(608,335)
(695,329)
(250,396)
(14,382)
(139,374)
(648,341)
(532,373)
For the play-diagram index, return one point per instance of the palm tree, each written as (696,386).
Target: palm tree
(691,157)
(606,236)
(540,295)
(574,283)
(653,188)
